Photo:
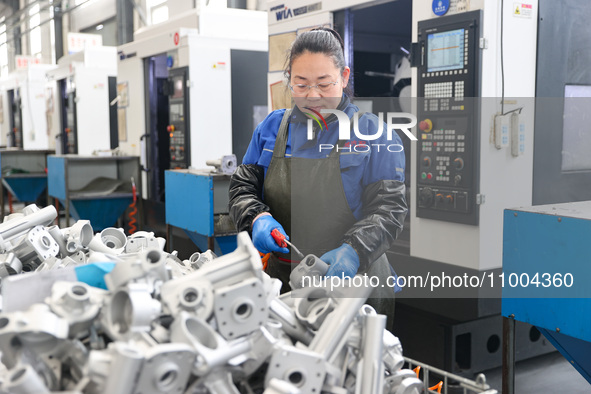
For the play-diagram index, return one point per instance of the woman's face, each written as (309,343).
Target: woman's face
(317,69)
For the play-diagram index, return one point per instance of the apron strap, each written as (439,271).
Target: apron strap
(282,133)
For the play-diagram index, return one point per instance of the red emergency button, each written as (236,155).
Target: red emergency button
(170,128)
(429,176)
(426,125)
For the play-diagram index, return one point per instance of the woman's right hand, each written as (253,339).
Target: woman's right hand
(261,235)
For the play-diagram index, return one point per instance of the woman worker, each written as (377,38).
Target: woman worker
(338,199)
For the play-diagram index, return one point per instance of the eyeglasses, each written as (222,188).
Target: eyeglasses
(301,88)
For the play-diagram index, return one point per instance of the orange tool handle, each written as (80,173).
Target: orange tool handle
(279,238)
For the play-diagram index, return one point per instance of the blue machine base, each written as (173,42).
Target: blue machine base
(576,351)
(102,212)
(27,189)
(222,245)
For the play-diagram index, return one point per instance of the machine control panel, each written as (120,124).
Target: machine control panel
(448,114)
(179,120)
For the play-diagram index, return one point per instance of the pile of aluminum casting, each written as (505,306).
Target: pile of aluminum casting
(204,325)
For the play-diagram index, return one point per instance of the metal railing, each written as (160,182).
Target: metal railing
(478,386)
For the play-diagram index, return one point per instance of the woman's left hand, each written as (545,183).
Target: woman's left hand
(344,261)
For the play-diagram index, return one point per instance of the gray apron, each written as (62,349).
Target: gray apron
(308,198)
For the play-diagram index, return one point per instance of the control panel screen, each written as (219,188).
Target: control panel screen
(178,87)
(445,50)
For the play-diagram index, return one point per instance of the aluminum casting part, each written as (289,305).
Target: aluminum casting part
(370,370)
(329,336)
(302,368)
(187,294)
(10,265)
(14,227)
(197,259)
(393,359)
(130,310)
(279,311)
(23,379)
(109,241)
(312,267)
(243,263)
(126,363)
(142,240)
(394,382)
(218,382)
(226,164)
(147,267)
(76,302)
(276,386)
(312,306)
(58,236)
(38,245)
(241,308)
(166,369)
(212,351)
(37,328)
(262,345)
(410,386)
(79,236)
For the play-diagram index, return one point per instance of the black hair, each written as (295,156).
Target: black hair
(319,40)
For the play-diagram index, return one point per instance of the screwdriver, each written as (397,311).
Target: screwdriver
(281,241)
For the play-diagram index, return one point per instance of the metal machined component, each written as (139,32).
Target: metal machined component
(308,272)
(23,379)
(148,267)
(241,308)
(37,328)
(188,294)
(370,371)
(276,386)
(10,265)
(303,368)
(225,165)
(211,349)
(35,247)
(78,236)
(76,302)
(35,217)
(110,241)
(142,240)
(131,309)
(313,305)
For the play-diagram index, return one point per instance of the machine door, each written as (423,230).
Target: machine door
(69,134)
(15,134)
(562,163)
(178,129)
(447,150)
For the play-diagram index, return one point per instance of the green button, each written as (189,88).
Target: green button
(423,175)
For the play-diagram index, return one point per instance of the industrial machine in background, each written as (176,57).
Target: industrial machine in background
(206,221)
(24,121)
(544,272)
(189,89)
(86,91)
(96,188)
(473,157)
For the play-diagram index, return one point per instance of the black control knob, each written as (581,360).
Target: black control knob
(457,180)
(426,197)
(459,163)
(426,162)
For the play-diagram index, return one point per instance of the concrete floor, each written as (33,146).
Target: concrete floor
(547,374)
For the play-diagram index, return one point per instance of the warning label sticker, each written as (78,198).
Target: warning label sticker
(522,10)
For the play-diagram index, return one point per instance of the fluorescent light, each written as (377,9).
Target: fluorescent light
(100,27)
